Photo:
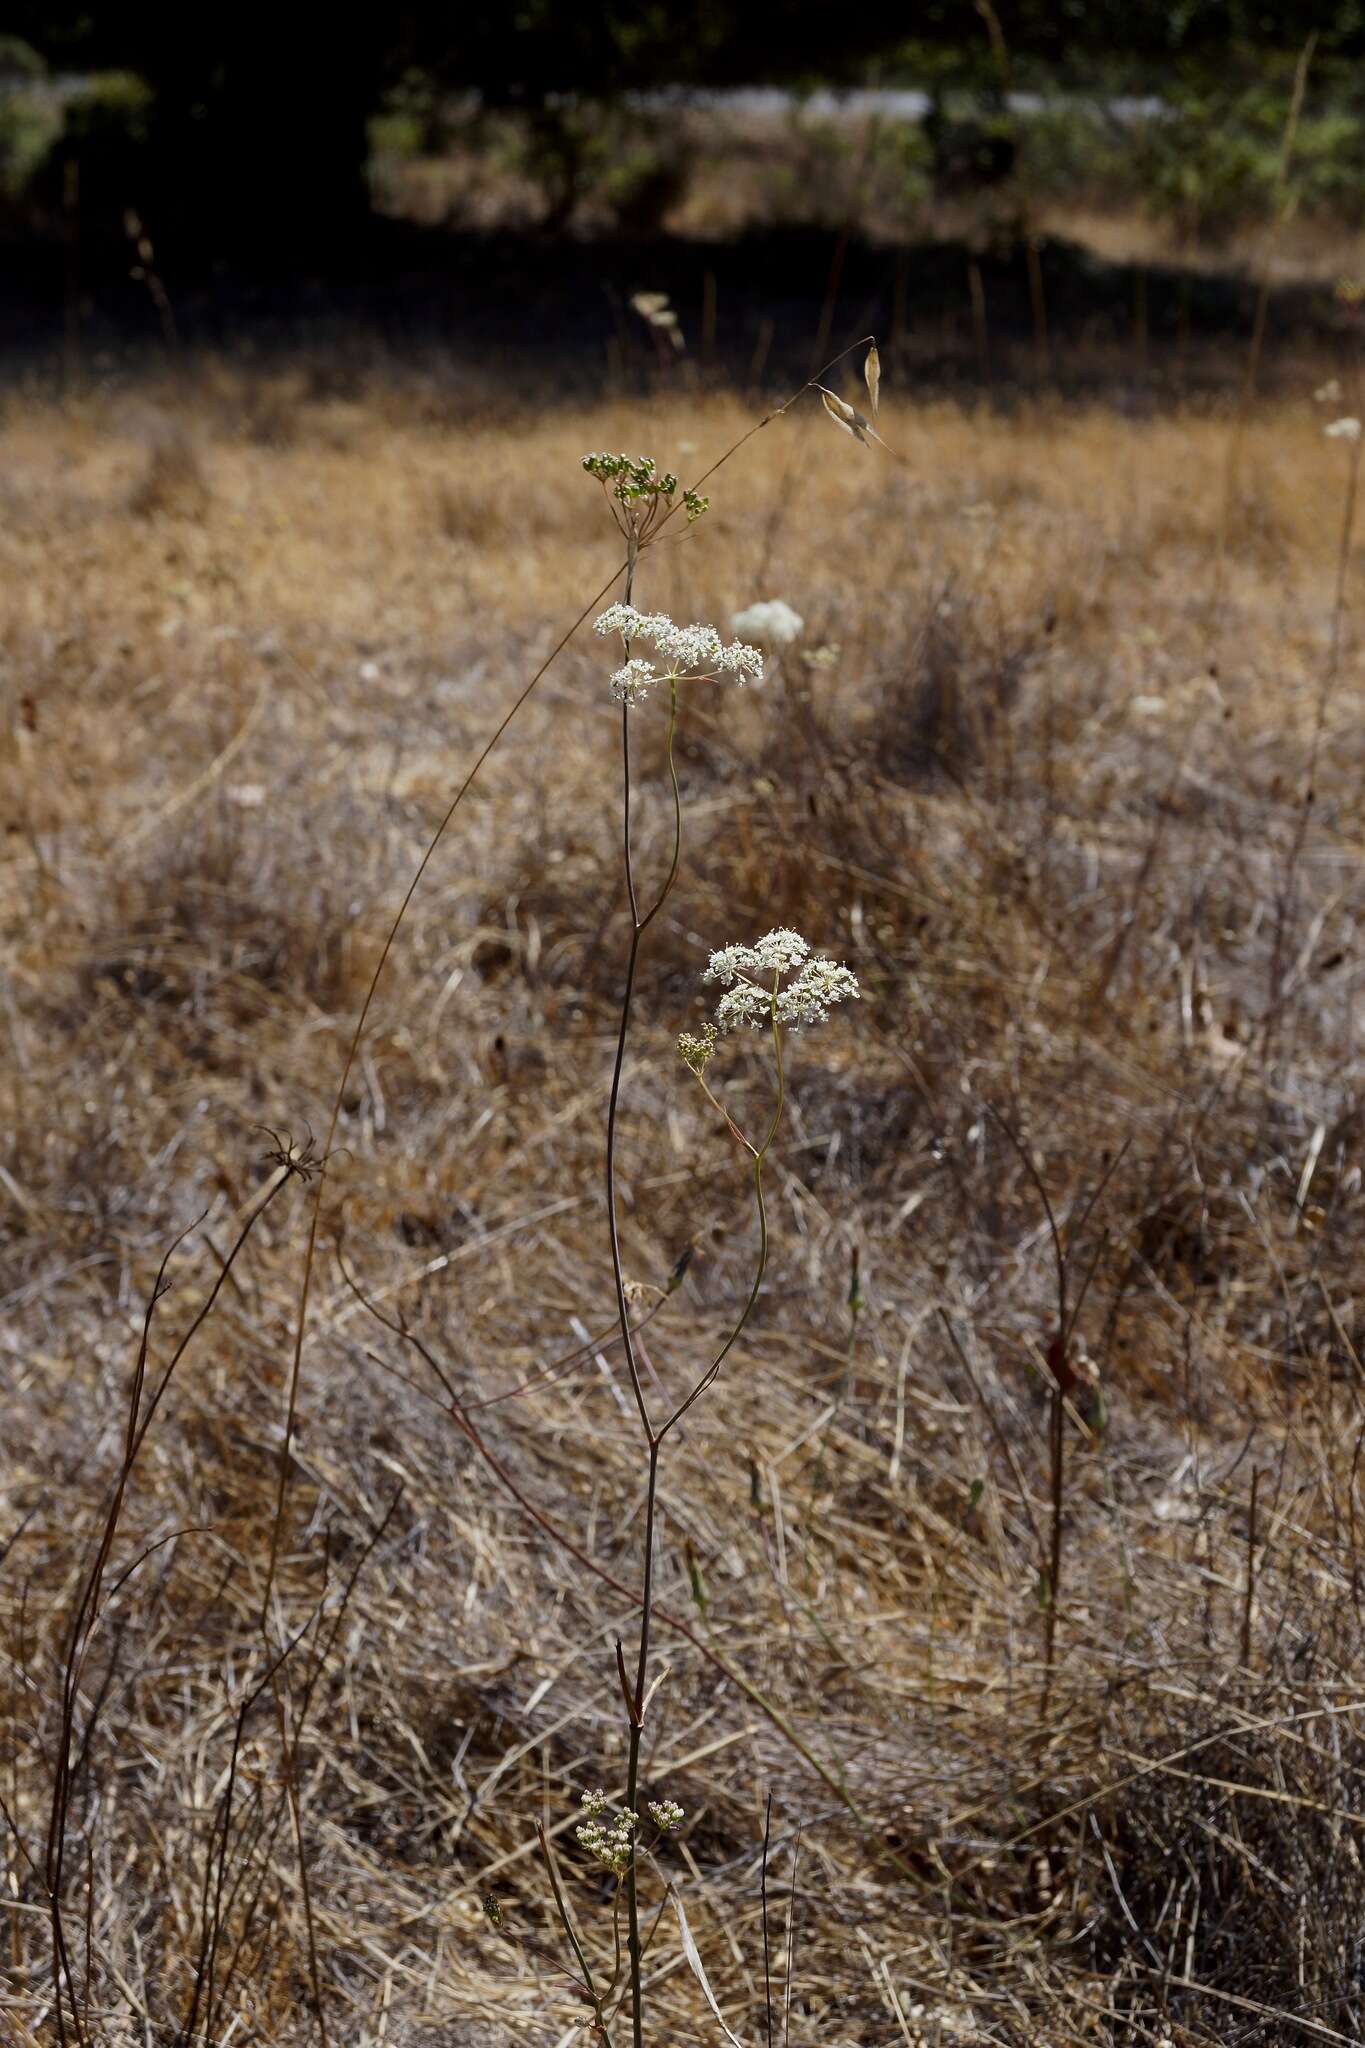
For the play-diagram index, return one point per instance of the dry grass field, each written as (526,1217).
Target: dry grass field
(1066,768)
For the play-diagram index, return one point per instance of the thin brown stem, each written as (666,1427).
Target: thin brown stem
(566,1922)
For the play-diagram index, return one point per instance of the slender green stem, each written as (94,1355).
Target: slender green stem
(671,877)
(613,1229)
(633,1761)
(610,1991)
(623,1033)
(566,1922)
(759,1154)
(639,925)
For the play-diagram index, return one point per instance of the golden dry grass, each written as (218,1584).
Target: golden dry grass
(1051,802)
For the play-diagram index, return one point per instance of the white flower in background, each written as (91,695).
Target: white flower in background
(771,623)
(1347,429)
(1328,393)
(682,652)
(752,979)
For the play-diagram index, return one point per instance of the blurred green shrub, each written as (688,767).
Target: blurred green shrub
(103,126)
(1207,162)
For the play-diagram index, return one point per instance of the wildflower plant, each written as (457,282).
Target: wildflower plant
(773,986)
(641,500)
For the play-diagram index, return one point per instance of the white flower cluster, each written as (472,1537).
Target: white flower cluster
(610,1843)
(772,622)
(633,683)
(1347,429)
(666,1814)
(777,953)
(682,650)
(752,975)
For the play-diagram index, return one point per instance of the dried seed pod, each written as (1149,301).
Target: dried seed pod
(843,415)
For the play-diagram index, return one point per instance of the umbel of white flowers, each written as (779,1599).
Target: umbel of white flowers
(777,979)
(772,622)
(611,1843)
(684,652)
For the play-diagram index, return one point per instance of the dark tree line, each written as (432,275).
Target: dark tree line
(254,133)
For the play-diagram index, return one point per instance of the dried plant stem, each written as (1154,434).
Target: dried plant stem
(767,1952)
(597,1998)
(86,1618)
(1249,1591)
(637,526)
(1280,970)
(706,1650)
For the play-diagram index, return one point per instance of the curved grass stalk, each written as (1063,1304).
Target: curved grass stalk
(597,1999)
